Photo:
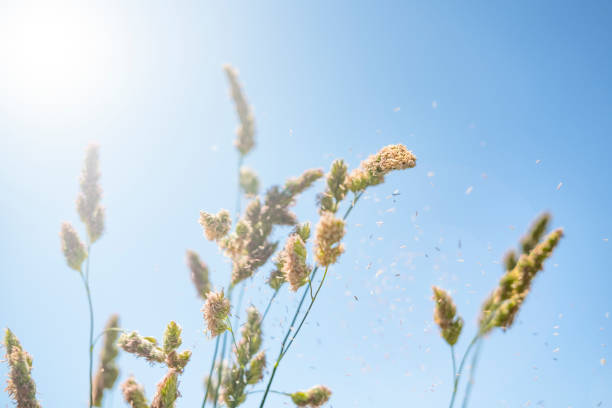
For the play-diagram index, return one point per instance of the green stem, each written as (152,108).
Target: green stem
(295,316)
(310,287)
(85,279)
(458,376)
(222,357)
(305,314)
(314,271)
(470,384)
(103,332)
(212,367)
(271,391)
(229,326)
(452,349)
(269,304)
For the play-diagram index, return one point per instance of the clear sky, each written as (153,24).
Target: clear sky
(508,106)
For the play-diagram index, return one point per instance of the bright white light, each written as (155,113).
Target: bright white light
(55,55)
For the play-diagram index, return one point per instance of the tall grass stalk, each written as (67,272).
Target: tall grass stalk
(305,292)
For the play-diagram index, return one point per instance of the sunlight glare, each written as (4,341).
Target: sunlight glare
(52,55)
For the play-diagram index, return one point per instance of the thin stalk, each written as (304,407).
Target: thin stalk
(271,391)
(229,326)
(85,279)
(305,314)
(239,304)
(452,349)
(103,332)
(314,271)
(295,316)
(212,367)
(468,389)
(458,376)
(222,357)
(269,304)
(310,287)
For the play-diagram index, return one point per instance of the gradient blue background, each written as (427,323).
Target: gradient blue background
(514,82)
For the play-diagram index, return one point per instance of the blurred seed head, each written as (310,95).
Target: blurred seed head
(88,200)
(108,371)
(134,393)
(245,133)
(215,226)
(312,398)
(74,250)
(199,273)
(256,368)
(249,182)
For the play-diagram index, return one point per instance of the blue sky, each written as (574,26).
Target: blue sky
(510,99)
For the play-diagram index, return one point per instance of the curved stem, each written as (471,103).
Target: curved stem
(295,316)
(470,384)
(314,271)
(305,314)
(229,325)
(271,391)
(85,279)
(269,304)
(103,332)
(458,376)
(222,357)
(212,367)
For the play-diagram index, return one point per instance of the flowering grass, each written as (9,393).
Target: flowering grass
(239,361)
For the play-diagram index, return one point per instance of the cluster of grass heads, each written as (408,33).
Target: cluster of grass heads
(238,363)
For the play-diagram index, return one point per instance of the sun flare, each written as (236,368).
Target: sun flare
(52,55)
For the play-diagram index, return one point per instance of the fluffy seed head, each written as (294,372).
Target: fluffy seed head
(336,187)
(88,200)
(199,274)
(74,250)
(251,339)
(145,347)
(134,393)
(256,368)
(276,279)
(502,306)
(312,398)
(295,270)
(373,169)
(444,316)
(329,233)
(297,185)
(245,133)
(215,226)
(216,310)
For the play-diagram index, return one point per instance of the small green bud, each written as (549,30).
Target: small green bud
(172,337)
